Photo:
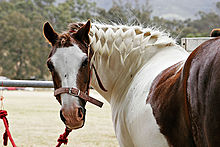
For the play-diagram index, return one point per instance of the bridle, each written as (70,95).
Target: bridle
(76,92)
(83,95)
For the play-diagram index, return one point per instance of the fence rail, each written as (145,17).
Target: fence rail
(189,44)
(26,83)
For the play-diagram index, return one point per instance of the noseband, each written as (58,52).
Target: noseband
(78,93)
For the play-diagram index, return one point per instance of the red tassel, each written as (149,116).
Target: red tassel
(5,138)
(63,137)
(7,133)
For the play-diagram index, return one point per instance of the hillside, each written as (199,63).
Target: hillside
(179,9)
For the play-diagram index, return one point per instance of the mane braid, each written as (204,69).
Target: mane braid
(105,39)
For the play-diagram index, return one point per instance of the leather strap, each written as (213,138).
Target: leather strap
(98,79)
(78,93)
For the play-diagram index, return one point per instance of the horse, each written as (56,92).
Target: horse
(160,95)
(215,32)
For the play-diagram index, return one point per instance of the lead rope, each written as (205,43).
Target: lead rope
(63,137)
(3,114)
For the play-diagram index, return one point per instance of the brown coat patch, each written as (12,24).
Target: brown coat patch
(186,102)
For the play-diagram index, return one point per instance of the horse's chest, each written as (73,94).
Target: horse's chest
(138,123)
(135,121)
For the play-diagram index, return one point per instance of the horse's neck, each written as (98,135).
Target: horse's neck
(120,52)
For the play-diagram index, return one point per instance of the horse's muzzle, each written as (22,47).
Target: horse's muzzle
(74,119)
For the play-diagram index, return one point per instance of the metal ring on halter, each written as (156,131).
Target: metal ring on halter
(70,91)
(73,94)
(78,93)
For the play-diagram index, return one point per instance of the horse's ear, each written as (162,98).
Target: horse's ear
(83,33)
(49,33)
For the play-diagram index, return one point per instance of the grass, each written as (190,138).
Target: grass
(34,121)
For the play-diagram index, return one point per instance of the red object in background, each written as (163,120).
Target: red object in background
(7,133)
(11,88)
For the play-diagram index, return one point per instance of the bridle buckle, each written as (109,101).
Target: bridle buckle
(73,94)
(70,91)
(78,92)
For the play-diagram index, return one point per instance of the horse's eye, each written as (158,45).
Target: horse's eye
(85,62)
(50,66)
(63,41)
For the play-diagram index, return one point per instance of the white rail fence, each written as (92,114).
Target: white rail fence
(26,83)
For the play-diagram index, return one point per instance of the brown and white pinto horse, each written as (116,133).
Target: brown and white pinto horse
(159,94)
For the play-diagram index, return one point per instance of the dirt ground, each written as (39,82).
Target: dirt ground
(34,121)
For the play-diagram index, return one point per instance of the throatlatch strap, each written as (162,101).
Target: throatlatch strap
(98,79)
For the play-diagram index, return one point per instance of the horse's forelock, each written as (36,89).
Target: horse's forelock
(73,27)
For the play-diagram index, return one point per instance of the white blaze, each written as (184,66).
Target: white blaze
(67,61)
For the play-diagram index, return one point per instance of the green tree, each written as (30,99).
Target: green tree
(72,11)
(126,13)
(22,45)
(21,41)
(24,50)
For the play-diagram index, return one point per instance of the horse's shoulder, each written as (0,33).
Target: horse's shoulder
(166,98)
(166,94)
(165,80)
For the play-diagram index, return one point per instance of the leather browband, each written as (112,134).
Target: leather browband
(78,93)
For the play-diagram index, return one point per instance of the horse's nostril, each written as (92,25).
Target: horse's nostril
(81,113)
(62,117)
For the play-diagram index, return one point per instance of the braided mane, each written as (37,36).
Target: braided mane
(106,39)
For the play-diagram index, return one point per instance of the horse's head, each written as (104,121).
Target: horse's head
(69,65)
